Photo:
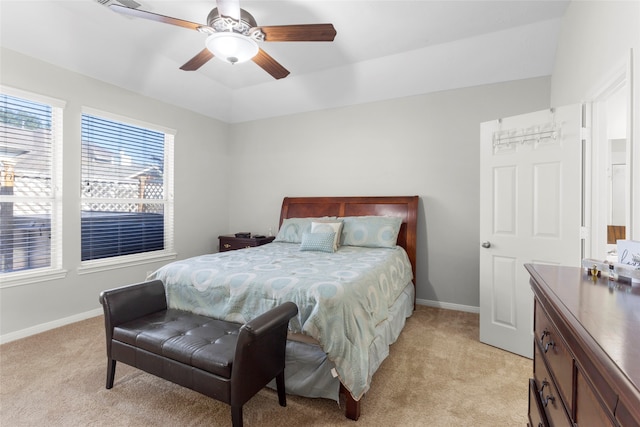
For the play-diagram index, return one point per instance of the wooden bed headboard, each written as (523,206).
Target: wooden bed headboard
(405,207)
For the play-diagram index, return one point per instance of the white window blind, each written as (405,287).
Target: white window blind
(126,189)
(30,196)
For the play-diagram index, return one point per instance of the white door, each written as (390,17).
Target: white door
(530,211)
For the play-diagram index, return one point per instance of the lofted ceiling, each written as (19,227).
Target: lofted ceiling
(382,50)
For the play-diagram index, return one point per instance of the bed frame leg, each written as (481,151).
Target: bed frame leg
(352,406)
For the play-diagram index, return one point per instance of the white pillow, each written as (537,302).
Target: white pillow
(328,227)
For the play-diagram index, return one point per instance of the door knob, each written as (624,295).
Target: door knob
(486,245)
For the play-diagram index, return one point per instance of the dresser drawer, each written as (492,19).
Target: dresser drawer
(549,398)
(627,415)
(554,350)
(589,411)
(536,410)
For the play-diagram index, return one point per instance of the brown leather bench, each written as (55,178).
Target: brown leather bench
(227,361)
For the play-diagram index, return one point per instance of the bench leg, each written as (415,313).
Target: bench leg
(282,395)
(236,416)
(111,372)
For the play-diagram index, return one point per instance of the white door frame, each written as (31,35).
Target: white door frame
(596,194)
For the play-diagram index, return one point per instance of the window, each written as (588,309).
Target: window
(30,176)
(127,207)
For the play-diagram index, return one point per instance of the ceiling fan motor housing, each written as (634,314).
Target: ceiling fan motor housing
(222,23)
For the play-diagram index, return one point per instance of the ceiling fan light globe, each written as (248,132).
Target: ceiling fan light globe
(232,47)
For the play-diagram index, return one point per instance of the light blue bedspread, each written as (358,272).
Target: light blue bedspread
(341,296)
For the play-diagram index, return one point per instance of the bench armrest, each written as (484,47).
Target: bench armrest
(274,318)
(133,301)
(130,302)
(260,351)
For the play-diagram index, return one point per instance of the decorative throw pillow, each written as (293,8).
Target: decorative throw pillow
(328,226)
(371,231)
(292,229)
(322,242)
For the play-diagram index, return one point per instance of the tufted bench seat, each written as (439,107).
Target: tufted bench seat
(227,361)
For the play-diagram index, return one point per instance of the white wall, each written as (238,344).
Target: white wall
(233,177)
(201,189)
(424,145)
(597,39)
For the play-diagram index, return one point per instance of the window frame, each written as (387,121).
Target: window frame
(55,270)
(168,253)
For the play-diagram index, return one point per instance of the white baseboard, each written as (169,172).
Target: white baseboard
(98,311)
(448,305)
(23,333)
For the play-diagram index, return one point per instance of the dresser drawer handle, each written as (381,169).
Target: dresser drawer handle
(544,334)
(549,397)
(227,246)
(544,384)
(546,346)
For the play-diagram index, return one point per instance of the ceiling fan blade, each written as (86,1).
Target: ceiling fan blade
(299,33)
(137,13)
(198,61)
(270,65)
(229,8)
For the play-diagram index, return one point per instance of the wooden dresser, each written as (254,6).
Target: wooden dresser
(586,364)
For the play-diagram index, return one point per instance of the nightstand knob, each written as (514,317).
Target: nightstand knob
(227,246)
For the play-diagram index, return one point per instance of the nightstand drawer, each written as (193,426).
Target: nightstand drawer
(231,242)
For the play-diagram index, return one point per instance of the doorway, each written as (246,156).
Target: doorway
(608,196)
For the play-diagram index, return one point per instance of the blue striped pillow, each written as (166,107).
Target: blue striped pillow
(322,242)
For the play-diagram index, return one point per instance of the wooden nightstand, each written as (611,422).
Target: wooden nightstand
(230,242)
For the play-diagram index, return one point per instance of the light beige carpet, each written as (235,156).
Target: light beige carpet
(438,374)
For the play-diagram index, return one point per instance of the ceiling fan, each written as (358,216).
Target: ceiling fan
(233,35)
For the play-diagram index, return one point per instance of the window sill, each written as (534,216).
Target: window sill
(10,280)
(113,263)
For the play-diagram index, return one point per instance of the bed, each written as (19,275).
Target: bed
(349,263)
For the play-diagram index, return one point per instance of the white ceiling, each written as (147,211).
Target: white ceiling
(383,49)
